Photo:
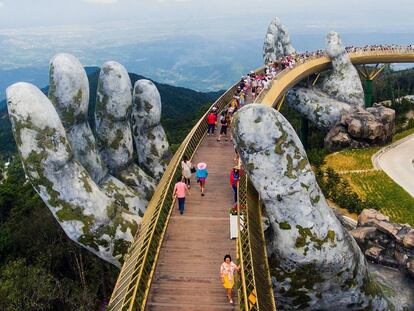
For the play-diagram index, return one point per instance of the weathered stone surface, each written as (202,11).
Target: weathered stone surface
(69,93)
(388,228)
(384,242)
(374,126)
(277,42)
(401,258)
(319,108)
(88,215)
(150,139)
(408,240)
(61,159)
(362,235)
(370,217)
(344,83)
(410,267)
(374,253)
(314,260)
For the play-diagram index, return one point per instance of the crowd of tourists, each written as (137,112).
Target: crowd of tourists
(250,86)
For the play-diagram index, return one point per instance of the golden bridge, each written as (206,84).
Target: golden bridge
(173,263)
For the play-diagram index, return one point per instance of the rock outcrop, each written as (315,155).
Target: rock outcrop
(315,264)
(277,42)
(92,186)
(362,128)
(385,242)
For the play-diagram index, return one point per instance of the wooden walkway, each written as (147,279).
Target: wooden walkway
(187,275)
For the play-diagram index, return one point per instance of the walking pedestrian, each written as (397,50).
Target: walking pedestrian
(180,189)
(224,124)
(186,168)
(227,269)
(201,175)
(234,180)
(211,121)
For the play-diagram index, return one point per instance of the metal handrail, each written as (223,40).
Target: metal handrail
(255,289)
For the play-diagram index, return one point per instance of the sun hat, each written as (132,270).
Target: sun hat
(237,167)
(201,166)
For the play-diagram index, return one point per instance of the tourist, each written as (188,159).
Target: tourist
(186,170)
(179,192)
(227,276)
(201,175)
(211,121)
(234,180)
(224,124)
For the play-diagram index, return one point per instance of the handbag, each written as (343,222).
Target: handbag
(192,170)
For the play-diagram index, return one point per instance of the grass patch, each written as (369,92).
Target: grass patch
(374,186)
(349,160)
(389,197)
(357,159)
(403,134)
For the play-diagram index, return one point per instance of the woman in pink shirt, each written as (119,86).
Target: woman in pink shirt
(179,192)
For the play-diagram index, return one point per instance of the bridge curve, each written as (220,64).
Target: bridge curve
(132,289)
(289,77)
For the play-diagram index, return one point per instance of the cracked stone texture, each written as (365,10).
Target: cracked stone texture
(315,263)
(277,42)
(362,128)
(150,139)
(98,195)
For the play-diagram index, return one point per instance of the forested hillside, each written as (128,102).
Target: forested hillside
(40,268)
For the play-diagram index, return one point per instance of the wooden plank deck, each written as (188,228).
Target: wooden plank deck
(187,274)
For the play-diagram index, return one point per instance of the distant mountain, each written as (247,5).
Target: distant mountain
(181,108)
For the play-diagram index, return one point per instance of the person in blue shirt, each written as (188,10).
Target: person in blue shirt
(201,175)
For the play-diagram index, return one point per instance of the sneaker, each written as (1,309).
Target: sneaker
(218,139)
(231,301)
(202,194)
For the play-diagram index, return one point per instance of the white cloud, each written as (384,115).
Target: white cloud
(1,4)
(101,1)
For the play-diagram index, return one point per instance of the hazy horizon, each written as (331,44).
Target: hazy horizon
(191,43)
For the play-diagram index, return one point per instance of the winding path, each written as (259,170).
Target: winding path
(396,160)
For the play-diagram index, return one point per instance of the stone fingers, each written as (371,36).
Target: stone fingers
(343,83)
(87,215)
(69,93)
(112,116)
(150,139)
(317,107)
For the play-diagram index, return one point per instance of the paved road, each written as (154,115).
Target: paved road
(397,162)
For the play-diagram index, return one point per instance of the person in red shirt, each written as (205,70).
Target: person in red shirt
(211,121)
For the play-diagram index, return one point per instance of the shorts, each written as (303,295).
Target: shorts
(201,180)
(223,130)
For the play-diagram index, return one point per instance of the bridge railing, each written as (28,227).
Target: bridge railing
(255,286)
(352,52)
(134,281)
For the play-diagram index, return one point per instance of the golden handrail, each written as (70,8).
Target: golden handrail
(255,289)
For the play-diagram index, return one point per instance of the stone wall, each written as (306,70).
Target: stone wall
(385,242)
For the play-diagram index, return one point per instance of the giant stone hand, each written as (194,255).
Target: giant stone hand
(336,105)
(93,186)
(315,263)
